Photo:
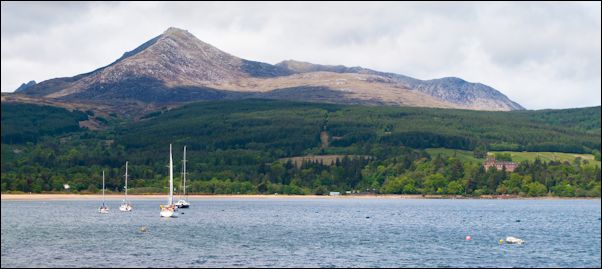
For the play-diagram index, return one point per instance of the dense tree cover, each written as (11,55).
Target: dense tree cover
(23,123)
(585,119)
(441,175)
(235,147)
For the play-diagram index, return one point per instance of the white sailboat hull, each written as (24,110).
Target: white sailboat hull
(168,212)
(103,210)
(125,208)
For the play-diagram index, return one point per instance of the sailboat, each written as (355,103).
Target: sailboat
(168,211)
(182,203)
(126,206)
(103,208)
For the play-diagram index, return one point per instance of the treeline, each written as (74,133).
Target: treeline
(450,176)
(234,147)
(407,171)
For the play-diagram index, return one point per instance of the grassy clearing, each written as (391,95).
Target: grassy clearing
(465,155)
(462,155)
(548,156)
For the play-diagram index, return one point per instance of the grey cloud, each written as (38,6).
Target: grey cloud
(532,52)
(31,17)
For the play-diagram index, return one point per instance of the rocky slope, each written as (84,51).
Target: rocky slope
(176,67)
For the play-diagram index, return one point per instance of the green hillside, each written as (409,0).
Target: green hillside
(234,147)
(23,123)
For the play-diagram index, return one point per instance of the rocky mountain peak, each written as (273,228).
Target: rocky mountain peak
(176,66)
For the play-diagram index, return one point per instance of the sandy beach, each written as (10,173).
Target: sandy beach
(216,196)
(39,197)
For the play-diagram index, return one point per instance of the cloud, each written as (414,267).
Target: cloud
(542,55)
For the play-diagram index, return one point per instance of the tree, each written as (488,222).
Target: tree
(480,151)
(454,187)
(92,188)
(536,189)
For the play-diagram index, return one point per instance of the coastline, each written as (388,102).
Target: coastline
(47,197)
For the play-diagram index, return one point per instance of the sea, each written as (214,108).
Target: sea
(303,232)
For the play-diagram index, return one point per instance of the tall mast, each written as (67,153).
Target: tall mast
(103,187)
(126,181)
(170,199)
(184,163)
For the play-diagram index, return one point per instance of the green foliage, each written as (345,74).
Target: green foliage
(583,119)
(536,189)
(101,119)
(23,123)
(454,187)
(480,151)
(506,157)
(235,147)
(564,189)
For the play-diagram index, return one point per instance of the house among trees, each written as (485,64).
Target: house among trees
(491,162)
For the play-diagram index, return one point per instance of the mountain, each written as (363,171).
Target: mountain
(454,90)
(24,86)
(176,67)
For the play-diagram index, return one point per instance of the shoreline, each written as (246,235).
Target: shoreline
(45,197)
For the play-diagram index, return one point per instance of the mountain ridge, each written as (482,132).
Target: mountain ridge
(175,61)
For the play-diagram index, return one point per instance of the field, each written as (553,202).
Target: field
(548,156)
(465,155)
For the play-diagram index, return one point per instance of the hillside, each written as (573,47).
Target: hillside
(176,67)
(235,146)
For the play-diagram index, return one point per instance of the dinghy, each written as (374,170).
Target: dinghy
(514,240)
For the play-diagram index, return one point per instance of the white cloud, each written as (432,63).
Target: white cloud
(542,55)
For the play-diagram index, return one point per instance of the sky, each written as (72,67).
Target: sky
(539,54)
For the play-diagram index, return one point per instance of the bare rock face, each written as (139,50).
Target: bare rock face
(176,67)
(453,90)
(24,86)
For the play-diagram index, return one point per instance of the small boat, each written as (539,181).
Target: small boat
(126,206)
(182,203)
(103,208)
(514,240)
(169,210)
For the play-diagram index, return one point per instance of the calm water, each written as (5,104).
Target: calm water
(304,233)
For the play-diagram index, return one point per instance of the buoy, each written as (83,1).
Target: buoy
(367,217)
(501,241)
(143,229)
(468,238)
(517,220)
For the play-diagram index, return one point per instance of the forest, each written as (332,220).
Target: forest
(237,147)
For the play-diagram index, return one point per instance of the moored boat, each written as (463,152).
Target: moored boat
(104,209)
(182,203)
(168,210)
(126,206)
